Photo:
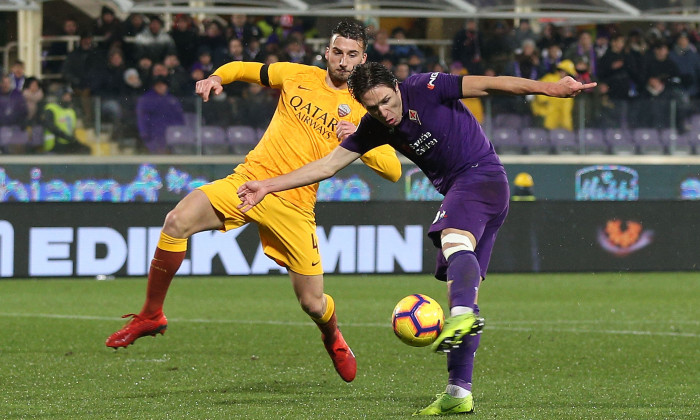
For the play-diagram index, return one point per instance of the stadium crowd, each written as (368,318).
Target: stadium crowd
(144,73)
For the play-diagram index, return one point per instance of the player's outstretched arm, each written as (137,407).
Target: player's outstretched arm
(252,192)
(382,159)
(476,86)
(245,71)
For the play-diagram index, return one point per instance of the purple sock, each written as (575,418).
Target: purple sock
(460,361)
(464,274)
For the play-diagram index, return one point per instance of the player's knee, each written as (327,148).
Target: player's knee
(455,242)
(312,306)
(175,225)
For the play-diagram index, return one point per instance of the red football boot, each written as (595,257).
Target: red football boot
(137,328)
(343,358)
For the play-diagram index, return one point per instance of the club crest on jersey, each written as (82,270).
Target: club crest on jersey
(413,116)
(343,110)
(433,76)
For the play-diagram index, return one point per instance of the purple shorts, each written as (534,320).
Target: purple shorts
(477,203)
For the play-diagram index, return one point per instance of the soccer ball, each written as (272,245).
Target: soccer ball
(417,320)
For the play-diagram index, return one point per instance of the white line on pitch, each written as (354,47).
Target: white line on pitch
(497,326)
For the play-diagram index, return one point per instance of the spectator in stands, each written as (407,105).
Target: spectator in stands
(60,122)
(134,25)
(33,93)
(662,85)
(556,112)
(58,49)
(550,58)
(109,28)
(186,39)
(403,49)
(616,71)
(296,52)
(549,36)
(156,110)
(402,71)
(521,33)
(686,57)
(77,71)
(254,51)
(257,105)
(525,64)
(214,41)
(584,47)
(178,77)
(239,28)
(17,76)
(496,49)
(236,52)
(145,67)
(466,48)
(134,85)
(154,42)
(416,64)
(204,62)
(380,49)
(108,84)
(131,27)
(13,107)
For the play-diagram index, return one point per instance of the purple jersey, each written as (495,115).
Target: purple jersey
(437,132)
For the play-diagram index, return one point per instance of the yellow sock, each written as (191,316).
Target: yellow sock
(330,310)
(168,243)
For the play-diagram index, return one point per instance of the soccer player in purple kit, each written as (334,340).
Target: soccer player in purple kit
(424,119)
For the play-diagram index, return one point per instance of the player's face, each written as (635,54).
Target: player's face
(342,56)
(384,104)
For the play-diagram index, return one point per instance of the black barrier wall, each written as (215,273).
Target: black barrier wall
(89,239)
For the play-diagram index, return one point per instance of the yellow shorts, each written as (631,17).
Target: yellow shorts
(287,233)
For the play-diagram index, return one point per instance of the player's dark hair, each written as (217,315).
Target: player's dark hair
(352,29)
(368,76)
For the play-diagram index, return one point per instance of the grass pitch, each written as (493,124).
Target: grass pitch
(556,346)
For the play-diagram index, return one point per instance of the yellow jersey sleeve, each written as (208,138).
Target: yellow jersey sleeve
(384,162)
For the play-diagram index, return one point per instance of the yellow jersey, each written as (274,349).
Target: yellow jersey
(303,127)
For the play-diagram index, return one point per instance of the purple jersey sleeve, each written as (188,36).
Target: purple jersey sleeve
(369,134)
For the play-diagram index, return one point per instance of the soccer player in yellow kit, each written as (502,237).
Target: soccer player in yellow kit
(303,129)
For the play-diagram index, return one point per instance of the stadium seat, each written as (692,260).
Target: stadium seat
(620,141)
(694,122)
(593,141)
(507,141)
(675,143)
(242,138)
(13,139)
(536,141)
(563,141)
(181,139)
(514,121)
(37,138)
(691,140)
(647,141)
(214,141)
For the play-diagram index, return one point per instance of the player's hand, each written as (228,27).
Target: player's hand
(344,129)
(567,87)
(250,193)
(211,84)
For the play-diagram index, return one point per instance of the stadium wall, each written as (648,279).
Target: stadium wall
(105,239)
(603,178)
